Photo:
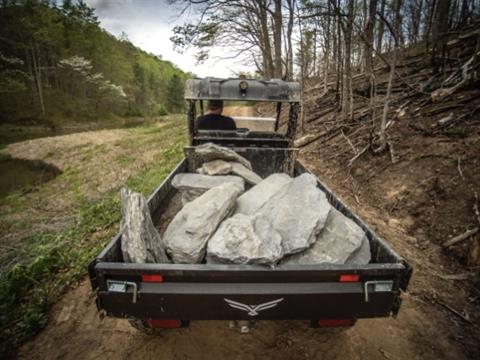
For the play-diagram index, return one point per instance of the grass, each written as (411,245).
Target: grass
(35,275)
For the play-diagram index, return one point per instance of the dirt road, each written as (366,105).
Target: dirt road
(423,330)
(76,332)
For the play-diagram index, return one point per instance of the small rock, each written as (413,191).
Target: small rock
(187,234)
(242,171)
(192,186)
(252,200)
(141,243)
(298,212)
(245,239)
(340,241)
(210,151)
(216,167)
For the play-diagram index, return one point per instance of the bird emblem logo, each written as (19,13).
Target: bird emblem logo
(252,310)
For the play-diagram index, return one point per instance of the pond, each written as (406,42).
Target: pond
(18,174)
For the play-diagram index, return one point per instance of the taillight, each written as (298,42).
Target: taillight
(349,278)
(336,322)
(152,278)
(164,323)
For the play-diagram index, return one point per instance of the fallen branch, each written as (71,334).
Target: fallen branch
(459,168)
(454,311)
(440,94)
(475,208)
(363,151)
(308,139)
(459,238)
(355,151)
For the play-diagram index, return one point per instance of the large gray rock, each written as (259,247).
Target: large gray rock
(298,212)
(252,200)
(362,255)
(192,186)
(141,242)
(187,234)
(244,172)
(341,241)
(245,239)
(210,151)
(216,167)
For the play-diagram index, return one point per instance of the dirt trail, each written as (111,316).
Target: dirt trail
(238,111)
(421,330)
(76,332)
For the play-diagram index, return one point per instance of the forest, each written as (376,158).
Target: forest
(58,65)
(329,42)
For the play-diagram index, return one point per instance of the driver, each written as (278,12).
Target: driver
(214,120)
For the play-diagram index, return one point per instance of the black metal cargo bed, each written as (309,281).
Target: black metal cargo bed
(210,292)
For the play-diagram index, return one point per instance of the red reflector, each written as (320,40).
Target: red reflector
(335,322)
(349,278)
(164,323)
(152,278)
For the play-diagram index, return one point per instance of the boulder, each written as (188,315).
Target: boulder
(210,151)
(298,212)
(244,172)
(252,200)
(245,239)
(362,255)
(340,241)
(216,167)
(187,234)
(192,186)
(141,243)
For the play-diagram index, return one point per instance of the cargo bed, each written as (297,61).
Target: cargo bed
(326,292)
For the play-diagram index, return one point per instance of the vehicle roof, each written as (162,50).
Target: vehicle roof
(210,88)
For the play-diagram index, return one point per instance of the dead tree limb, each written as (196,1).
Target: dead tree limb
(459,238)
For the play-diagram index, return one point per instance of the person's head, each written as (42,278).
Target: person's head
(215,107)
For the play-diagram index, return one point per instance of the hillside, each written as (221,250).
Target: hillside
(58,65)
(421,191)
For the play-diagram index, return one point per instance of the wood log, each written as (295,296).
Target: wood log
(459,238)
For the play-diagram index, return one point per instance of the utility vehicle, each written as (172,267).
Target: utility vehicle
(171,295)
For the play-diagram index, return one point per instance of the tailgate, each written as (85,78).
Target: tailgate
(188,293)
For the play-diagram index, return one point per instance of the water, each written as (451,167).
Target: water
(20,174)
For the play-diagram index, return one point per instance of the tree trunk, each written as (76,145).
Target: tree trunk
(327,52)
(302,77)
(291,9)
(265,38)
(431,13)
(381,28)
(347,100)
(277,39)
(368,55)
(395,35)
(439,32)
(37,76)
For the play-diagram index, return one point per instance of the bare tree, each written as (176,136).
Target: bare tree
(395,30)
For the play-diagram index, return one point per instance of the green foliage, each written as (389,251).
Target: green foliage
(160,110)
(52,260)
(57,61)
(175,91)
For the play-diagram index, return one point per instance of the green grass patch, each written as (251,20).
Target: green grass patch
(36,275)
(125,160)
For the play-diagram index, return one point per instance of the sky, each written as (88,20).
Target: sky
(148,25)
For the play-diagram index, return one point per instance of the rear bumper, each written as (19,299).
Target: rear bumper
(248,301)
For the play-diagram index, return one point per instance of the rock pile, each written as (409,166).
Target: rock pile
(280,220)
